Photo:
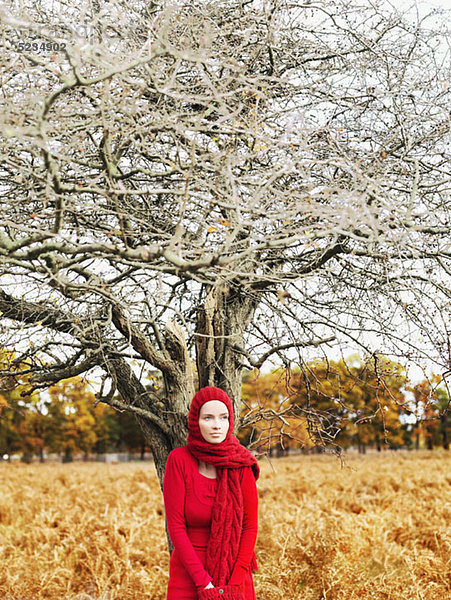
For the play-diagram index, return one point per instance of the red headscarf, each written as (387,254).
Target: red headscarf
(228,457)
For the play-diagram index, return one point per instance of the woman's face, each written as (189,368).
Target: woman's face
(214,421)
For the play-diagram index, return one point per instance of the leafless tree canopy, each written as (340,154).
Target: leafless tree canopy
(231,181)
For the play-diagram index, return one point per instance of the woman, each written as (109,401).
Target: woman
(210,498)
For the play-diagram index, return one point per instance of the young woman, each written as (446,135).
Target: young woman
(211,504)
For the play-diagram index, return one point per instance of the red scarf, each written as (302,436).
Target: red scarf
(227,456)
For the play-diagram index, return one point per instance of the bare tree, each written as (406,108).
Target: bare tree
(235,182)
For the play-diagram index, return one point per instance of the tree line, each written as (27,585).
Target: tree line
(355,403)
(359,402)
(66,419)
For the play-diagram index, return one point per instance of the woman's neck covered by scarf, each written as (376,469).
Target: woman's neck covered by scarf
(228,457)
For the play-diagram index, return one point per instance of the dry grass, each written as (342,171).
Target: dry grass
(379,528)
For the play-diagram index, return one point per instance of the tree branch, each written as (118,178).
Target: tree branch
(257,363)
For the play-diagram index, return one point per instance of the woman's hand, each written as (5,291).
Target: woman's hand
(209,586)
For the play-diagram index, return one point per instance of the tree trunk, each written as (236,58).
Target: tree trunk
(221,324)
(26,457)
(67,458)
(444,424)
(9,448)
(134,394)
(359,445)
(378,444)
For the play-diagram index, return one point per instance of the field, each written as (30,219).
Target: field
(377,527)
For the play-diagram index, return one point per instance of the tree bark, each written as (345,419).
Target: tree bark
(221,324)
(444,424)
(378,444)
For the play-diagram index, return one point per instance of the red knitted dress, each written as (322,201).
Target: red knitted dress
(188,499)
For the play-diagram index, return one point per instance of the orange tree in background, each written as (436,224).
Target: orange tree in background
(64,420)
(71,420)
(443,401)
(344,402)
(270,424)
(325,388)
(376,402)
(32,432)
(15,402)
(430,407)
(77,423)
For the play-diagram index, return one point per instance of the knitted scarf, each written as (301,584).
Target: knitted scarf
(227,456)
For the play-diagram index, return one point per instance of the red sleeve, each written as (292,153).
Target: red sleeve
(174,503)
(250,525)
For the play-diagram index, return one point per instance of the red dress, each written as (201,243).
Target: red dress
(188,500)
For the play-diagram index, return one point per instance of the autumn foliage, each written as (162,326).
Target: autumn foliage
(65,420)
(352,402)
